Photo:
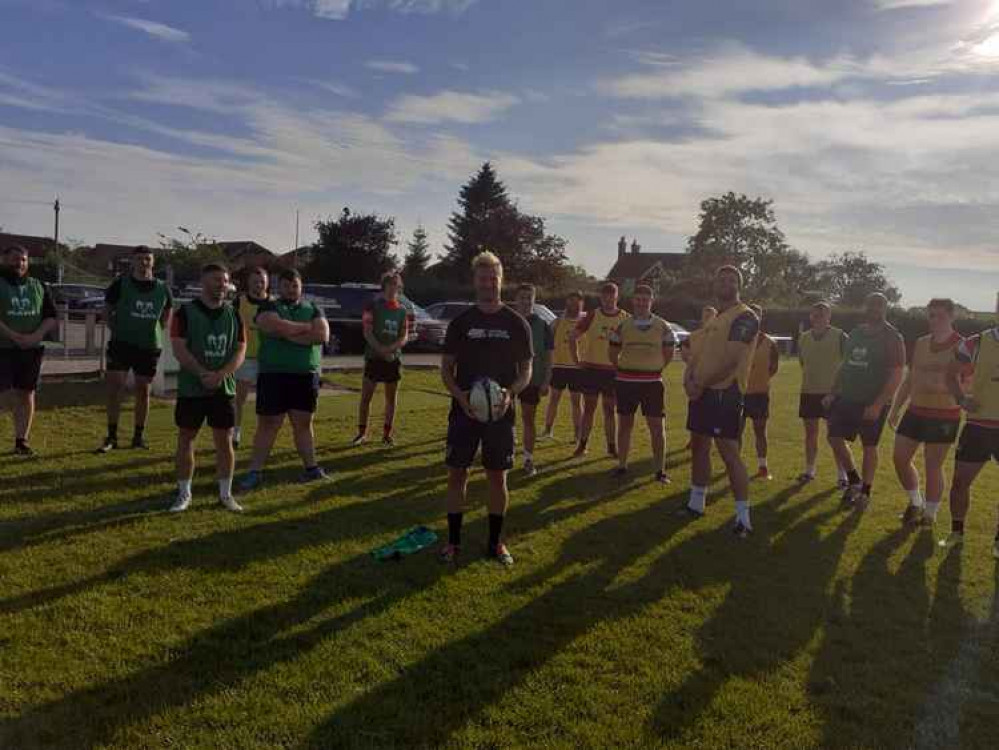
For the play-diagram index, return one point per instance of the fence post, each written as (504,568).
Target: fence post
(91,331)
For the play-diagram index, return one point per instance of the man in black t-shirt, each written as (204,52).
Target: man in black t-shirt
(489,340)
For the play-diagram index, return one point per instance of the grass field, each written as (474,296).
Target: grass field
(621,625)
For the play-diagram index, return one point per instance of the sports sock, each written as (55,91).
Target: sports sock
(853,477)
(528,457)
(184,487)
(916,498)
(810,470)
(113,430)
(362,429)
(139,431)
(237,434)
(931,508)
(20,442)
(387,430)
(762,462)
(495,529)
(698,498)
(841,473)
(225,487)
(742,512)
(454,528)
(865,489)
(957,526)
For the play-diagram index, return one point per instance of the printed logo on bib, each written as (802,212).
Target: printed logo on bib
(145,310)
(479,334)
(21,306)
(216,346)
(392,328)
(858,356)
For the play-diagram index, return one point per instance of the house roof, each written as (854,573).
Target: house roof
(636,265)
(236,250)
(37,247)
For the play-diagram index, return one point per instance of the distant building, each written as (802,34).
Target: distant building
(37,247)
(108,259)
(246,253)
(635,266)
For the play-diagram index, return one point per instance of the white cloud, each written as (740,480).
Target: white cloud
(338,10)
(158,30)
(400,67)
(450,106)
(899,4)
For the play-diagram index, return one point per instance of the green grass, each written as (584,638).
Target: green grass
(621,626)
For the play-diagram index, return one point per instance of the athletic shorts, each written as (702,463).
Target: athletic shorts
(717,413)
(978,444)
(810,406)
(248,372)
(218,410)
(566,377)
(20,368)
(651,396)
(596,382)
(383,371)
(464,435)
(846,421)
(929,429)
(756,406)
(123,357)
(281,392)
(531,395)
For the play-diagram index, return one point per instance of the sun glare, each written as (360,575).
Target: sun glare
(988,47)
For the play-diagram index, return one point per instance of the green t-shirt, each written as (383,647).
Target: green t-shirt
(138,307)
(212,336)
(21,307)
(280,355)
(544,343)
(869,356)
(386,322)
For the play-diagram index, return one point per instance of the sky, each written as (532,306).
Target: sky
(872,124)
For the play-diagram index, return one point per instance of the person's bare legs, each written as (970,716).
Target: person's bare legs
(811,446)
(965,474)
(391,400)
(24,413)
(499,499)
(243,389)
(625,425)
(528,415)
(116,386)
(905,470)
(738,478)
(762,444)
(554,398)
(301,430)
(610,421)
(263,441)
(700,472)
(364,408)
(657,434)
(576,399)
(586,423)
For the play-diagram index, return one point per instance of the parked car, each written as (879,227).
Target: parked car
(430,332)
(78,299)
(448,311)
(343,306)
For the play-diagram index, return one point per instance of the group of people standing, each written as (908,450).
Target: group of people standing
(604,357)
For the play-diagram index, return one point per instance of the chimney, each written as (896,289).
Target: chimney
(622,247)
(635,247)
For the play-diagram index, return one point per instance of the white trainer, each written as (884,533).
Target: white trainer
(180,504)
(230,504)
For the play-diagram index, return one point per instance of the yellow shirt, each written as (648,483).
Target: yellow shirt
(820,360)
(594,332)
(248,312)
(759,370)
(643,344)
(696,340)
(981,356)
(561,330)
(737,323)
(930,396)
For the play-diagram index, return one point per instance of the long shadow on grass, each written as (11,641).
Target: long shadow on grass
(878,661)
(775,605)
(219,658)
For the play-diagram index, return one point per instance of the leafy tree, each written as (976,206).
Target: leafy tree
(848,278)
(418,254)
(353,247)
(184,256)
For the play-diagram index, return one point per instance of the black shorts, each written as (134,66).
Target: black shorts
(928,429)
(810,406)
(383,371)
(717,413)
(756,406)
(566,377)
(218,410)
(846,421)
(464,435)
(123,357)
(20,368)
(281,392)
(531,395)
(978,444)
(651,396)
(596,382)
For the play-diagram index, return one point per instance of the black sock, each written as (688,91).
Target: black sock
(865,490)
(112,430)
(956,525)
(387,430)
(139,430)
(454,528)
(312,468)
(853,477)
(495,529)
(19,442)
(362,429)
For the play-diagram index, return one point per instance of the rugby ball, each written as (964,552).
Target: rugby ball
(486,400)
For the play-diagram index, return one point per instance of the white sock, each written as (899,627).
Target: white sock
(698,498)
(810,470)
(742,512)
(237,433)
(841,474)
(931,508)
(225,487)
(528,456)
(762,462)
(915,498)
(184,487)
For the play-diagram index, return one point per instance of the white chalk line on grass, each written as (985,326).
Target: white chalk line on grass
(940,723)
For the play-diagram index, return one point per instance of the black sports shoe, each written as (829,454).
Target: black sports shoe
(21,448)
(742,531)
(849,496)
(619,472)
(861,502)
(663,478)
(107,446)
(140,443)
(388,441)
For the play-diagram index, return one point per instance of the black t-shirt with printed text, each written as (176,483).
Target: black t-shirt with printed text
(488,345)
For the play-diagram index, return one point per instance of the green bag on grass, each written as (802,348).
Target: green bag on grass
(409,543)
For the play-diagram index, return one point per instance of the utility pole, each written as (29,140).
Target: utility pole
(59,267)
(296,230)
